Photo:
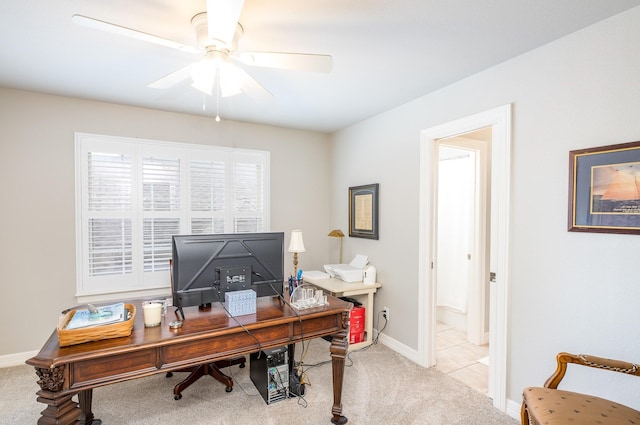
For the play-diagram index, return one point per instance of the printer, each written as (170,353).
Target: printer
(352,272)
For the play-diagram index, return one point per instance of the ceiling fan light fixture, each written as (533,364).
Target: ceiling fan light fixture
(231,81)
(217,64)
(203,75)
(204,85)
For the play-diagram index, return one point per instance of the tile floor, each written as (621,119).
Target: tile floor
(460,359)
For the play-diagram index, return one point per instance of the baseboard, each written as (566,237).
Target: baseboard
(513,409)
(16,359)
(398,347)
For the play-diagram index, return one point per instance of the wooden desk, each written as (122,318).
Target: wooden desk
(206,336)
(364,294)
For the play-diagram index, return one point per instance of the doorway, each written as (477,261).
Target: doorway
(461,269)
(499,120)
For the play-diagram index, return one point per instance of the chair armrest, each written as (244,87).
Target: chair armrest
(591,361)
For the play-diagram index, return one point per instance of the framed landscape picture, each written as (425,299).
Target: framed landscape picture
(604,189)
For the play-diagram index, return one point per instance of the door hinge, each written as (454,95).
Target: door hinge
(492,277)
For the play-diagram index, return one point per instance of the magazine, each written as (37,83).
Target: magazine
(105,315)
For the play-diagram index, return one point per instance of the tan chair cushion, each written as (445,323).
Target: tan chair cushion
(553,407)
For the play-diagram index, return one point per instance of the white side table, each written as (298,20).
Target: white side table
(358,290)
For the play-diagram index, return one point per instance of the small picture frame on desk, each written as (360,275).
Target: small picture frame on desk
(363,211)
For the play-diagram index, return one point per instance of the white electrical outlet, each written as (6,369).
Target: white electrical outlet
(385,312)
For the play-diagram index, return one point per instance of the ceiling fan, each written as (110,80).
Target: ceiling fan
(219,67)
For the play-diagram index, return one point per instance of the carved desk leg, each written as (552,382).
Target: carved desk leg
(85,398)
(339,347)
(61,409)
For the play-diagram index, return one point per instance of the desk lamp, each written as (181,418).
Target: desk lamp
(296,245)
(337,233)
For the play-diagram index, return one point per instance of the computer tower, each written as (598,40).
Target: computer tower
(269,371)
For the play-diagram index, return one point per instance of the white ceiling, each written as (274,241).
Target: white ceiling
(385,52)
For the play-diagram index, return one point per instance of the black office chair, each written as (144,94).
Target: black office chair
(211,369)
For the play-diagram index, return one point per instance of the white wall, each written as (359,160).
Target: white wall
(574,292)
(37,249)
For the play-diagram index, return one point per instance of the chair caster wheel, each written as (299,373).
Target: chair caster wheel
(169,374)
(177,396)
(242,365)
(228,389)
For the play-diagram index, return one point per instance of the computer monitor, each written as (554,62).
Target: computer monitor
(204,267)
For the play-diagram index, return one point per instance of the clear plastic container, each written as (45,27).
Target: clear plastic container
(307,296)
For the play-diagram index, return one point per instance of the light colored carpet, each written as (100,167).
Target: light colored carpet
(381,387)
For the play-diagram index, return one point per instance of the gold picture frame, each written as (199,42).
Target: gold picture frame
(363,211)
(604,189)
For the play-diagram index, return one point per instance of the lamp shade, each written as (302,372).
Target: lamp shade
(296,244)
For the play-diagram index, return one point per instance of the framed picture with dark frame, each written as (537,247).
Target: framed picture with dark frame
(363,211)
(604,189)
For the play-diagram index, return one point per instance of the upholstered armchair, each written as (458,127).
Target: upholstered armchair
(551,406)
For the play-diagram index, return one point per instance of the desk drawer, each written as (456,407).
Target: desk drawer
(110,368)
(317,326)
(225,345)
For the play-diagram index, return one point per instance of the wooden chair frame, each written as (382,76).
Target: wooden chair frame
(563,359)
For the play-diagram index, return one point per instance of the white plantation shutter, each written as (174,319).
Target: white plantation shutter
(134,195)
(161,205)
(248,189)
(109,246)
(157,234)
(109,210)
(208,187)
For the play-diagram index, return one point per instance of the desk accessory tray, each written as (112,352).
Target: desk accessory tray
(78,336)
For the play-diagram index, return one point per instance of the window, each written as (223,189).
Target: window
(133,195)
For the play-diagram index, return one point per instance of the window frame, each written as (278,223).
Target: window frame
(139,282)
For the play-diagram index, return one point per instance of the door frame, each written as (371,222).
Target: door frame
(500,121)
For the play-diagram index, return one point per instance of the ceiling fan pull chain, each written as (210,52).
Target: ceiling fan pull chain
(217,95)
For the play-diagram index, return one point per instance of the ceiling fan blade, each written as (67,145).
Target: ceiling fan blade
(253,88)
(291,61)
(223,17)
(128,32)
(172,79)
